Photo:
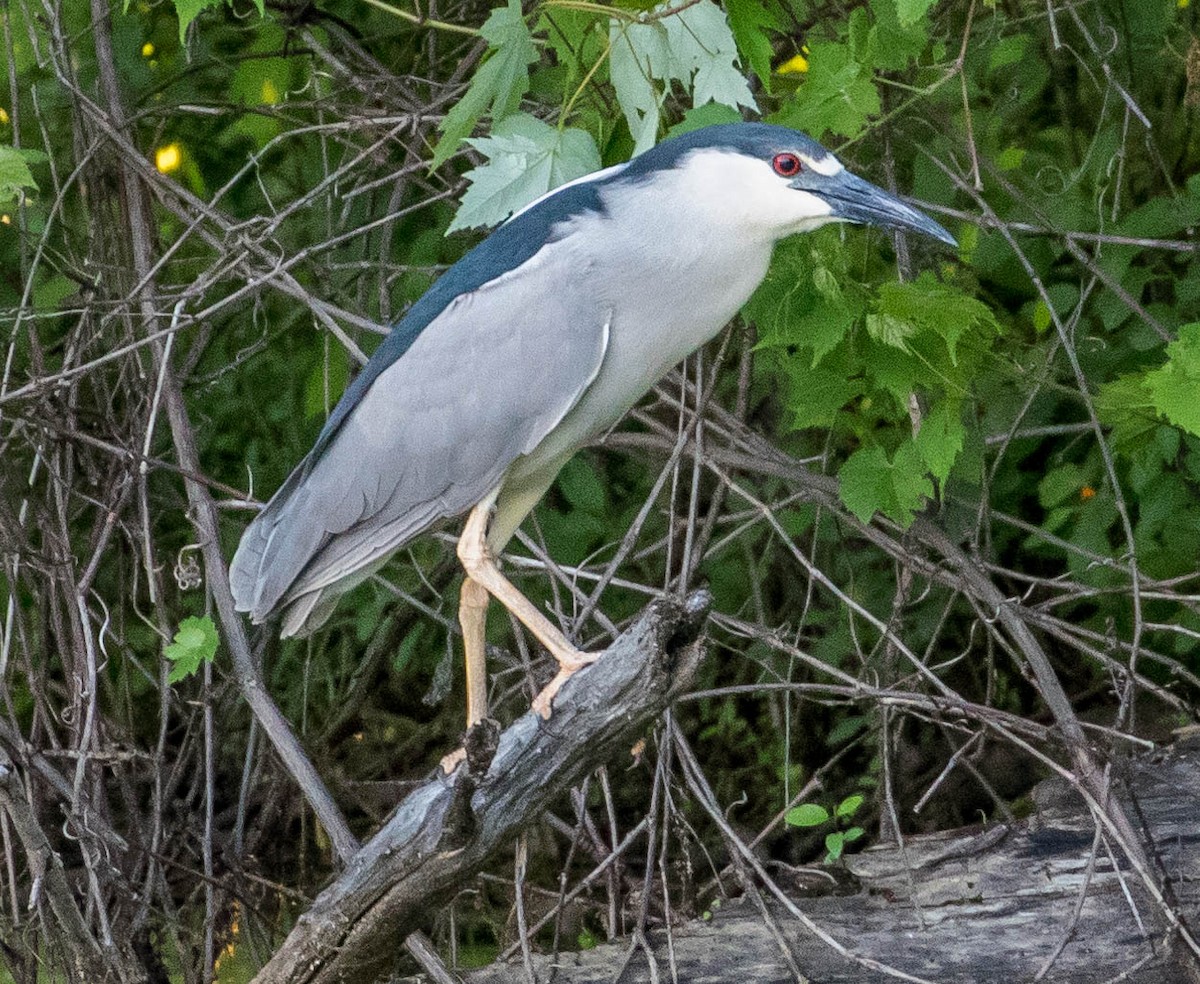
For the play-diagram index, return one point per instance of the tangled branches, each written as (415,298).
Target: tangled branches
(175,333)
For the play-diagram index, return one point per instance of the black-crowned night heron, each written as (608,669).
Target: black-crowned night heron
(537,340)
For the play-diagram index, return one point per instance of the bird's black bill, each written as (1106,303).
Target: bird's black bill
(855,200)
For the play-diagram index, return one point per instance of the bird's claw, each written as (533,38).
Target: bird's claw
(568,666)
(450,762)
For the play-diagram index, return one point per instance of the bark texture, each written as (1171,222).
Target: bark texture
(974,906)
(445,830)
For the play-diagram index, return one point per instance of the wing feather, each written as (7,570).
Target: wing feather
(481,385)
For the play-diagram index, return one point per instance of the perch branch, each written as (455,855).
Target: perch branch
(445,830)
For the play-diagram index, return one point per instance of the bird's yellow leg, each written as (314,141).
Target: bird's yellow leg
(472,616)
(480,565)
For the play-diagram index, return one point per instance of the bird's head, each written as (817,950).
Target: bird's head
(775,181)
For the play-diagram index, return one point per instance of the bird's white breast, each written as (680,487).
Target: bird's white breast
(670,261)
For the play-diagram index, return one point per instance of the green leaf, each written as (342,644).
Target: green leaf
(837,94)
(802,302)
(1174,389)
(910,11)
(1060,485)
(849,806)
(930,305)
(188,10)
(52,291)
(636,51)
(816,394)
(835,843)
(15,175)
(706,115)
(195,644)
(1165,215)
(846,729)
(940,438)
(895,41)
(326,382)
(1007,51)
(910,482)
(526,159)
(870,483)
(693,47)
(1011,159)
(853,834)
(806,815)
(499,83)
(749,21)
(866,483)
(1125,406)
(890,330)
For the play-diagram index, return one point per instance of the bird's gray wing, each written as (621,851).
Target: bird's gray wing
(482,384)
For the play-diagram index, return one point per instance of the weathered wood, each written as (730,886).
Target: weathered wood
(444,831)
(975,906)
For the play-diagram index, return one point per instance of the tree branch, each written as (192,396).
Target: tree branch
(445,830)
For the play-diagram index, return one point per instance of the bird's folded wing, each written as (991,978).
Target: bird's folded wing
(482,384)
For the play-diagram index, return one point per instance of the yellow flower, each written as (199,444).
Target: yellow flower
(3,115)
(1183,4)
(168,158)
(147,50)
(796,65)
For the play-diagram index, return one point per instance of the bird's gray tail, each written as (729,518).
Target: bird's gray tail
(272,554)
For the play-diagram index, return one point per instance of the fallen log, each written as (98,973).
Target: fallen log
(446,829)
(999,904)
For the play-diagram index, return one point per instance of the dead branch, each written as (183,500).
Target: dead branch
(444,832)
(87,958)
(1038,899)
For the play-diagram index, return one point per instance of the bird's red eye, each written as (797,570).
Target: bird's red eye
(787,165)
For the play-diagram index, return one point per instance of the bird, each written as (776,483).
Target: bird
(541,337)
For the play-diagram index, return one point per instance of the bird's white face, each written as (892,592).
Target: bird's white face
(751,196)
(757,185)
(761,194)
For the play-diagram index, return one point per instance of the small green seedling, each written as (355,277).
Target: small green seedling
(195,644)
(814,815)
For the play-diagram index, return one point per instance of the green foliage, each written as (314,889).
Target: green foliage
(1174,389)
(815,815)
(694,48)
(836,841)
(919,379)
(837,96)
(910,12)
(194,645)
(15,176)
(641,57)
(752,24)
(188,10)
(498,84)
(854,359)
(525,159)
(871,483)
(807,815)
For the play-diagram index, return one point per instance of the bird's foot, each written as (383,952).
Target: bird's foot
(450,762)
(568,665)
(480,742)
